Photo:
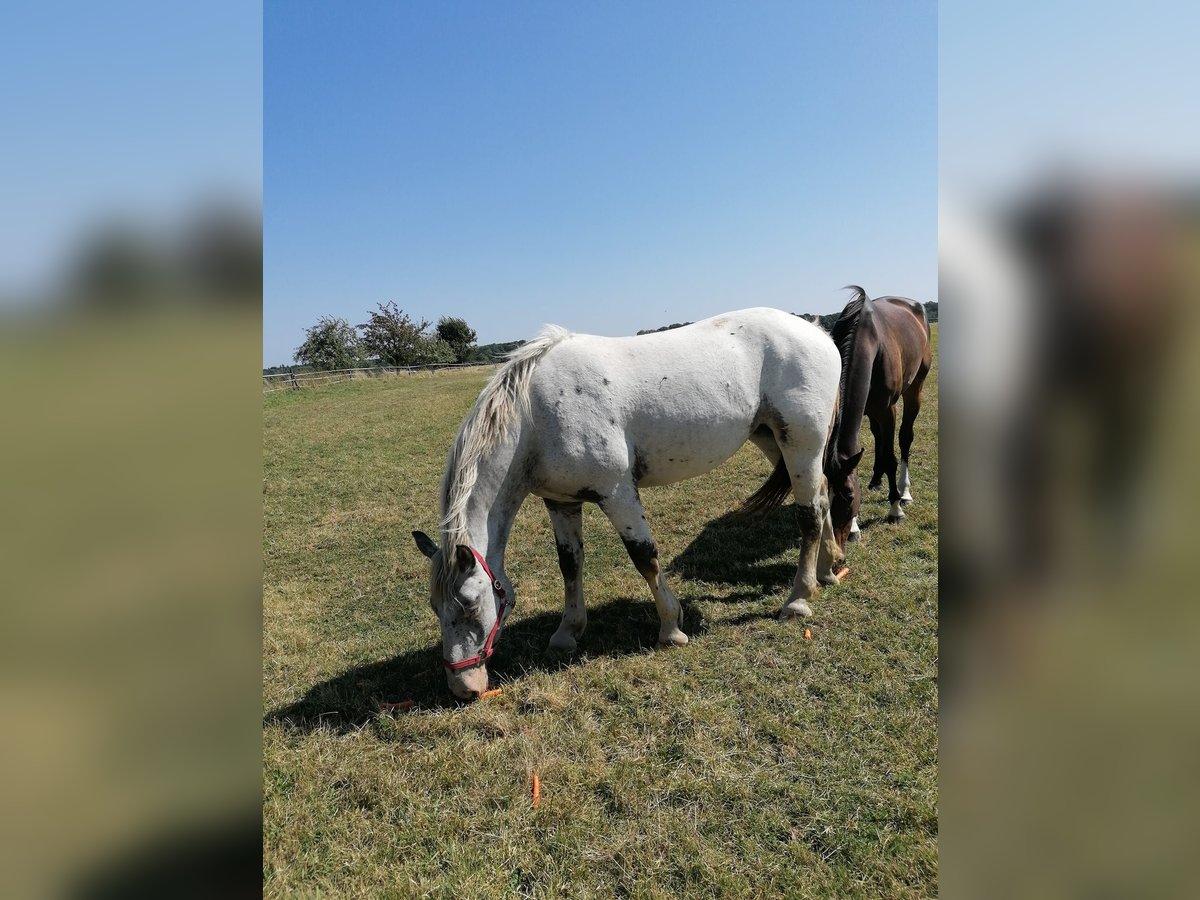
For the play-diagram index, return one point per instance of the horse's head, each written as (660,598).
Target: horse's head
(843,494)
(468,603)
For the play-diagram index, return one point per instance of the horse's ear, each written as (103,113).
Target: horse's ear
(424,543)
(852,462)
(464,558)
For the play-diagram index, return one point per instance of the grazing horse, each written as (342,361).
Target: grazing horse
(575,418)
(886,355)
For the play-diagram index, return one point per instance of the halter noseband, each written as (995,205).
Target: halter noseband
(501,614)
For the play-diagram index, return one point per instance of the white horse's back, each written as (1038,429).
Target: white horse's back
(674,404)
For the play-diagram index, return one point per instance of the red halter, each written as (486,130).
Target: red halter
(501,613)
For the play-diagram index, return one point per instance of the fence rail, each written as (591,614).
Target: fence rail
(293,381)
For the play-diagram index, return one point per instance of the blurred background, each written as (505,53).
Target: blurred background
(130,336)
(1069,156)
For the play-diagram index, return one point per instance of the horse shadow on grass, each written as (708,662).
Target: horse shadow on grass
(733,549)
(347,702)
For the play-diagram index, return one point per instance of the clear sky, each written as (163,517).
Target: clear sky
(605,166)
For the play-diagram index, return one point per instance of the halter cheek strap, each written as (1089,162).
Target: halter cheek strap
(501,615)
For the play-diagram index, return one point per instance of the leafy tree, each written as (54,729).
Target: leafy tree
(330,344)
(433,350)
(393,338)
(458,335)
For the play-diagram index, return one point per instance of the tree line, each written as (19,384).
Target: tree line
(390,337)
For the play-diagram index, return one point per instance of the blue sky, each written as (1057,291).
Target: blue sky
(608,167)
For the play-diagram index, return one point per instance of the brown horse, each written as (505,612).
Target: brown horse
(885,356)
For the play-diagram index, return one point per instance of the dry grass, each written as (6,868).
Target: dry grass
(750,763)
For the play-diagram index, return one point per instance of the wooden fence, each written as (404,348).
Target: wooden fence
(294,381)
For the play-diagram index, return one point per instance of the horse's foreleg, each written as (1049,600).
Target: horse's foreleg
(887,446)
(877,469)
(567,519)
(624,510)
(912,406)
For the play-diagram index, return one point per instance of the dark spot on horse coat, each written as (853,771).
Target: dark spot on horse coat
(589,495)
(640,466)
(612,421)
(606,381)
(568,560)
(644,555)
(578,389)
(558,506)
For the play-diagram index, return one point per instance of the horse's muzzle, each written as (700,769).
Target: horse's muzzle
(468,684)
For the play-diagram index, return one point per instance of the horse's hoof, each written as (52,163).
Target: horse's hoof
(797,608)
(563,642)
(829,579)
(672,638)
(875,486)
(853,537)
(904,501)
(896,520)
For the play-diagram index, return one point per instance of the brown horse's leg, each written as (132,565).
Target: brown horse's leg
(887,448)
(877,471)
(912,406)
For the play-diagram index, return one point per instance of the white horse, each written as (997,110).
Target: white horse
(574,418)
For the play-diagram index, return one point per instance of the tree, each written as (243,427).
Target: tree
(458,334)
(393,338)
(330,344)
(433,350)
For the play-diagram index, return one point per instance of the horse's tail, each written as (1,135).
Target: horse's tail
(771,495)
(774,491)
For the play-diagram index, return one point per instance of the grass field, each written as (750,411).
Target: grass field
(752,762)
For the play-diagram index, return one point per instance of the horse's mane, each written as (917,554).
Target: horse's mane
(843,332)
(482,429)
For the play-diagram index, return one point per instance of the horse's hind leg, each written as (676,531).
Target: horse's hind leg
(812,506)
(624,510)
(912,406)
(567,519)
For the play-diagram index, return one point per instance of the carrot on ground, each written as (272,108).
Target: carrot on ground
(808,634)
(537,790)
(492,693)
(402,706)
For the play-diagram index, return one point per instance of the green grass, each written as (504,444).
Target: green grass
(752,762)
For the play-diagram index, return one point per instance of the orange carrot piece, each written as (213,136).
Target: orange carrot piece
(808,634)
(537,790)
(402,706)
(491,693)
